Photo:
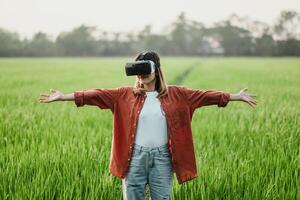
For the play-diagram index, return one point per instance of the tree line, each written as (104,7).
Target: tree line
(234,36)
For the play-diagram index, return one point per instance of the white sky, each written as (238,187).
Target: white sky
(54,16)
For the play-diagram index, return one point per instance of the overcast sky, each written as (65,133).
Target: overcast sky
(53,16)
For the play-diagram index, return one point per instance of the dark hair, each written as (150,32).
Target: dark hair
(149,55)
(160,84)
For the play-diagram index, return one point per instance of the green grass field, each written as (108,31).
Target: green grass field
(59,151)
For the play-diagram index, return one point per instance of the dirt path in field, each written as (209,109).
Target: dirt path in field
(178,80)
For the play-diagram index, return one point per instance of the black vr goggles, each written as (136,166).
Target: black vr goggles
(141,67)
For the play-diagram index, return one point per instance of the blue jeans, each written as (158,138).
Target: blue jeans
(150,166)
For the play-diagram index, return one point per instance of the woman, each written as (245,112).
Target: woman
(152,135)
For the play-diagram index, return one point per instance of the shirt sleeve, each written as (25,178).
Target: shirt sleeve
(103,98)
(197,98)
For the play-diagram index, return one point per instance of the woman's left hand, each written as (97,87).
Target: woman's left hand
(243,96)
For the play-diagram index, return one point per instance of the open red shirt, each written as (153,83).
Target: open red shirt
(179,105)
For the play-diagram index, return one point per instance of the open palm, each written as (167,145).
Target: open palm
(53,96)
(247,97)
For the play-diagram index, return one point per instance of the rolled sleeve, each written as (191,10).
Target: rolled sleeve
(78,97)
(103,98)
(224,99)
(198,98)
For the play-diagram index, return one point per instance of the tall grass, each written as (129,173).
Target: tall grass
(59,151)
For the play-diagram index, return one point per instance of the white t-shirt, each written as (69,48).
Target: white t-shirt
(152,124)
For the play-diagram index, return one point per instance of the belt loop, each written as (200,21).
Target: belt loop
(160,148)
(140,149)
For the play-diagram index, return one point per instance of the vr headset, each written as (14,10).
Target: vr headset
(141,67)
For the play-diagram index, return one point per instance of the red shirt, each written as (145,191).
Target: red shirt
(179,105)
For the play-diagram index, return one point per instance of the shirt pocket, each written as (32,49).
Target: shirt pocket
(179,118)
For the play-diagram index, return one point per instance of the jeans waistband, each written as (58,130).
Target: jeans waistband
(143,148)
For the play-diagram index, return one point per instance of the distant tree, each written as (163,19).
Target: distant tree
(186,36)
(78,42)
(143,35)
(235,40)
(264,45)
(233,36)
(287,34)
(10,44)
(179,36)
(40,45)
(287,26)
(146,40)
(263,38)
(290,47)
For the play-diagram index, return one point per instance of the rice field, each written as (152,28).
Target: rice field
(59,151)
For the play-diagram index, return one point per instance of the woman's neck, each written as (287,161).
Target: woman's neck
(150,86)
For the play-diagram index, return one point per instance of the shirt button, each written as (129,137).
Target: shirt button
(128,159)
(130,147)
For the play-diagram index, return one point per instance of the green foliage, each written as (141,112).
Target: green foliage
(234,36)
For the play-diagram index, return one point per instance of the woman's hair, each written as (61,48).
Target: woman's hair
(160,83)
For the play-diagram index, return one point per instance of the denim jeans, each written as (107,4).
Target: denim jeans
(150,166)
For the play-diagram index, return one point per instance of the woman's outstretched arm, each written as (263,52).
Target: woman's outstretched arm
(245,97)
(56,95)
(104,98)
(197,98)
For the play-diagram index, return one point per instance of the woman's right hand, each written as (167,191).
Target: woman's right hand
(55,95)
